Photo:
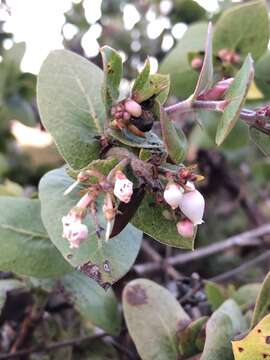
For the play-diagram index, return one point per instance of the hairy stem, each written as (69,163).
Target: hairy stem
(251,117)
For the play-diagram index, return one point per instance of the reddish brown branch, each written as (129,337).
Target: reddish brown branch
(248,238)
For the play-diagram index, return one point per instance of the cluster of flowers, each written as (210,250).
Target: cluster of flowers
(75,231)
(191,203)
(188,199)
(116,185)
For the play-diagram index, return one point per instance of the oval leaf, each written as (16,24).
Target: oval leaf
(152,220)
(262,74)
(174,140)
(104,264)
(153,317)
(224,324)
(244,28)
(113,72)
(69,96)
(255,346)
(92,302)
(235,96)
(176,63)
(262,302)
(25,246)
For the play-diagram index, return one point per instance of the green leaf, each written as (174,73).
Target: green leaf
(95,350)
(163,95)
(224,324)
(25,246)
(262,74)
(157,84)
(4,164)
(102,166)
(235,96)
(7,285)
(176,63)
(10,188)
(17,108)
(243,28)
(261,139)
(150,141)
(215,294)
(153,316)
(92,302)
(113,72)
(174,140)
(69,96)
(106,264)
(207,72)
(14,55)
(187,11)
(141,79)
(246,295)
(152,220)
(190,335)
(204,137)
(262,302)
(254,346)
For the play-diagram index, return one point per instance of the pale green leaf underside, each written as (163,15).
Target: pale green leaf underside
(174,140)
(117,255)
(25,246)
(224,324)
(153,316)
(235,95)
(92,302)
(206,75)
(69,96)
(262,302)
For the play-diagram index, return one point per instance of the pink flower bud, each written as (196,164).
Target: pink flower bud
(126,115)
(217,92)
(172,195)
(123,188)
(78,234)
(133,108)
(185,228)
(192,206)
(85,201)
(196,63)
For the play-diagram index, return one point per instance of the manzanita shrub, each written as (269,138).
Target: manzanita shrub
(126,174)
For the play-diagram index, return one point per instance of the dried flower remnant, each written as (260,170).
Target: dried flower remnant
(109,212)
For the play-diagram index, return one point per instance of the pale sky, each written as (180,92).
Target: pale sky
(39,24)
